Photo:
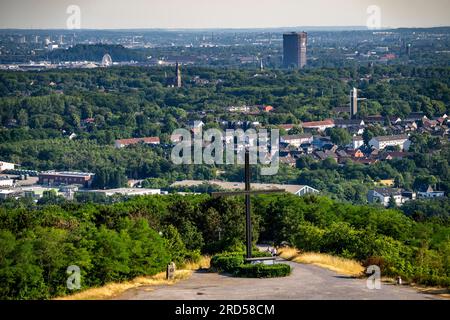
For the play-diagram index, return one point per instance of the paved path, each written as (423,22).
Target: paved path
(306,282)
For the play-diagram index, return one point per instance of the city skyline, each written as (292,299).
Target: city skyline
(201,14)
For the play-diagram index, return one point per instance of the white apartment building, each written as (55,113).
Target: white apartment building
(6,182)
(357,142)
(383,196)
(239,109)
(297,140)
(380,143)
(6,166)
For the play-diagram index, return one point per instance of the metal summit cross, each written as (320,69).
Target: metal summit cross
(247,192)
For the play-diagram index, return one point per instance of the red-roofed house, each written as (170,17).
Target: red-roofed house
(355,153)
(127,142)
(267,108)
(389,56)
(88,120)
(319,125)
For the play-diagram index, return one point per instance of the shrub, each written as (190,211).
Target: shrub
(34,265)
(227,262)
(175,244)
(193,256)
(262,270)
(236,245)
(309,237)
(375,260)
(261,254)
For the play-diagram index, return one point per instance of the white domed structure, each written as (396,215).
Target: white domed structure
(106,60)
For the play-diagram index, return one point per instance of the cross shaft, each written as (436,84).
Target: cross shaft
(247,192)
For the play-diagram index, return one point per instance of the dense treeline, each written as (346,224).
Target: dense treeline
(113,242)
(108,242)
(131,99)
(83,52)
(401,246)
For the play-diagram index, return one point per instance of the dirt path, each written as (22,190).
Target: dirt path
(306,282)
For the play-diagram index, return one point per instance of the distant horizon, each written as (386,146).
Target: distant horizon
(232,14)
(325,28)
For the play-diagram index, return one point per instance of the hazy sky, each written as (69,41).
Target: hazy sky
(123,14)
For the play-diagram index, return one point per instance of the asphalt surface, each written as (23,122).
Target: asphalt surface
(307,282)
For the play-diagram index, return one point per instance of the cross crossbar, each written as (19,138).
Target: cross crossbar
(241,193)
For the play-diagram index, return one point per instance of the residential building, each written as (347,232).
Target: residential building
(353,126)
(318,125)
(121,143)
(288,160)
(303,190)
(414,117)
(294,49)
(430,193)
(10,193)
(68,191)
(395,120)
(380,143)
(427,123)
(88,121)
(349,123)
(383,196)
(409,127)
(6,166)
(265,108)
(297,140)
(357,142)
(377,119)
(242,109)
(127,192)
(355,153)
(196,125)
(307,148)
(54,178)
(176,138)
(323,155)
(342,156)
(443,120)
(37,192)
(394,155)
(6,182)
(320,142)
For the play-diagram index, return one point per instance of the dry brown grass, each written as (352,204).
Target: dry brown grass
(337,264)
(203,263)
(288,253)
(111,290)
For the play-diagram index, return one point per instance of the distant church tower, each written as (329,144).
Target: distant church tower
(178,76)
(353,103)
